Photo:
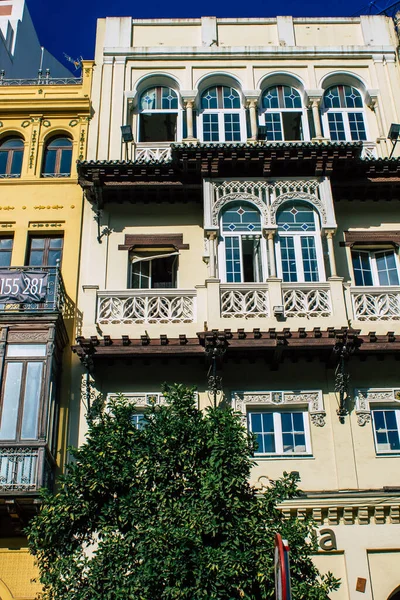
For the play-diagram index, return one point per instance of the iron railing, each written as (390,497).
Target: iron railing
(54,298)
(41,79)
(25,468)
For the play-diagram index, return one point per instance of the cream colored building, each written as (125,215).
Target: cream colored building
(249,221)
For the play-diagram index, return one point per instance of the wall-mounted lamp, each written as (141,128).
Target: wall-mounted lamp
(126,132)
(279,312)
(393,135)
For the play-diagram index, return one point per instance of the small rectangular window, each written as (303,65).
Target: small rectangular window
(386,425)
(6,246)
(273,127)
(210,127)
(336,127)
(45,251)
(357,127)
(375,268)
(159,272)
(284,433)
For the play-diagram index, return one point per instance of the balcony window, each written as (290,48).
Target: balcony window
(158,117)
(45,251)
(242,248)
(154,270)
(222,117)
(22,391)
(375,268)
(6,246)
(298,244)
(285,433)
(282,114)
(343,114)
(57,158)
(386,426)
(11,155)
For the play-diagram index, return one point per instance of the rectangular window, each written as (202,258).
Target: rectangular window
(357,127)
(45,251)
(309,255)
(232,127)
(210,128)
(280,432)
(336,127)
(21,394)
(156,273)
(138,420)
(292,126)
(232,259)
(6,246)
(386,424)
(273,127)
(289,269)
(375,268)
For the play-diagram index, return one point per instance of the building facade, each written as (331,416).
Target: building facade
(43,132)
(245,226)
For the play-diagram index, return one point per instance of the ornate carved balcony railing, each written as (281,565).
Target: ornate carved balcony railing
(25,468)
(376,303)
(33,289)
(244,300)
(369,150)
(152,151)
(306,299)
(146,306)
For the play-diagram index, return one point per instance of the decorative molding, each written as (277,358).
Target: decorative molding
(143,241)
(28,336)
(46,123)
(142,399)
(48,207)
(73,123)
(238,196)
(82,140)
(7,225)
(25,124)
(295,196)
(7,207)
(41,225)
(364,397)
(375,512)
(33,149)
(314,400)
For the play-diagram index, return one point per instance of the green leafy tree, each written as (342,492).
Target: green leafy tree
(166,512)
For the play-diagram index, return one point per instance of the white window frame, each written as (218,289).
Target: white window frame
(377,408)
(278,430)
(304,119)
(221,123)
(150,261)
(263,254)
(150,111)
(372,261)
(297,235)
(345,114)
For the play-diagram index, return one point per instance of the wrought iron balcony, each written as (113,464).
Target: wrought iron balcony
(146,306)
(32,290)
(25,468)
(41,79)
(376,303)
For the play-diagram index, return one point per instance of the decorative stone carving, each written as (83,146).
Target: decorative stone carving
(28,336)
(240,401)
(364,397)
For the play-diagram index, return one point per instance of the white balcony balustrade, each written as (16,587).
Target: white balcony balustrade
(146,306)
(307,299)
(376,303)
(244,300)
(148,152)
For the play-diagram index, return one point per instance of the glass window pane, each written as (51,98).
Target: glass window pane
(357,127)
(60,143)
(210,128)
(336,127)
(271,98)
(3,162)
(289,268)
(352,97)
(291,97)
(36,258)
(273,127)
(232,260)
(232,127)
(54,258)
(31,400)
(296,216)
(141,275)
(288,442)
(361,268)
(387,269)
(16,163)
(56,242)
(148,99)
(6,243)
(9,411)
(37,242)
(241,218)
(262,425)
(23,350)
(286,419)
(332,98)
(231,98)
(310,264)
(394,440)
(65,162)
(379,419)
(256,421)
(209,99)
(49,165)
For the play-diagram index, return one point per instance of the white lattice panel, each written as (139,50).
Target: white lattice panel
(308,302)
(150,308)
(376,305)
(244,303)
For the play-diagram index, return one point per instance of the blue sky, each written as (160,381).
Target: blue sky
(66,26)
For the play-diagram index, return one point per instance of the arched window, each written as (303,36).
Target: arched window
(299,248)
(11,155)
(57,158)
(343,114)
(242,249)
(158,118)
(222,117)
(282,115)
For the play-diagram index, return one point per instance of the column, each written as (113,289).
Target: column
(252,105)
(269,234)
(331,254)
(189,118)
(212,236)
(315,103)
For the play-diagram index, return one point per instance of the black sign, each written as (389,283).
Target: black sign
(17,287)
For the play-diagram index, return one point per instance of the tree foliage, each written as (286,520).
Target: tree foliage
(166,512)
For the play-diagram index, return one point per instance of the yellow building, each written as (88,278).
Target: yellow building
(250,211)
(43,132)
